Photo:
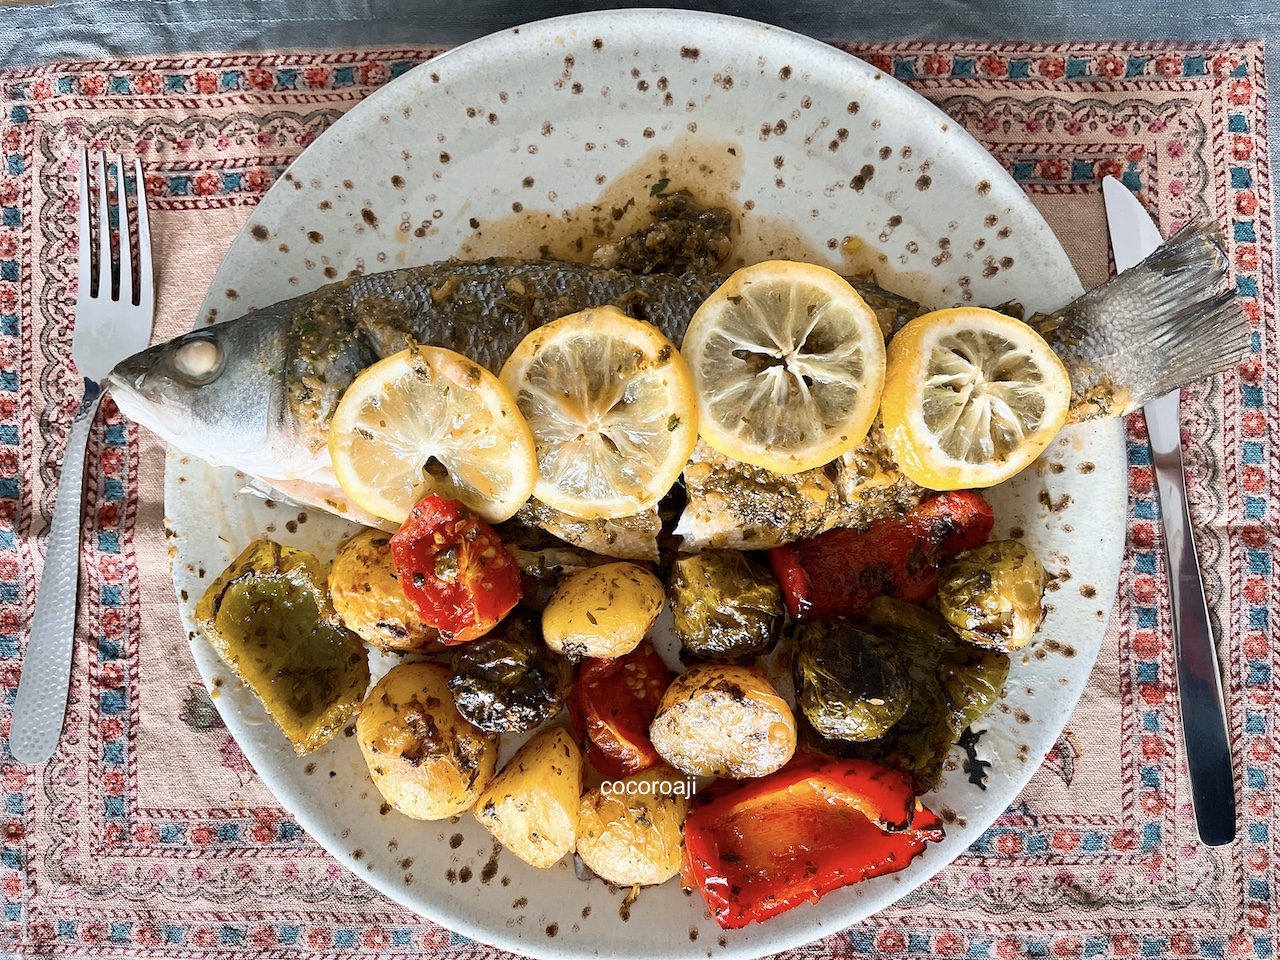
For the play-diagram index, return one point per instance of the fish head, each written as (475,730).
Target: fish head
(216,393)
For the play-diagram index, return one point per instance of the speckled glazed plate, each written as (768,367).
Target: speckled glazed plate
(520,142)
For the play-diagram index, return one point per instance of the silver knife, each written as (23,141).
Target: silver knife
(1204,719)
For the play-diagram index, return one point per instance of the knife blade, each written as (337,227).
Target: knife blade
(1204,720)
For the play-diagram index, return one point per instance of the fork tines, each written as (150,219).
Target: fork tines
(94,270)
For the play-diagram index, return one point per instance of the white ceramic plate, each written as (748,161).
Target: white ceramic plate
(528,136)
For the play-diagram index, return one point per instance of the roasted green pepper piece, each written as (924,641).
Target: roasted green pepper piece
(726,607)
(991,595)
(849,683)
(953,683)
(270,620)
(509,681)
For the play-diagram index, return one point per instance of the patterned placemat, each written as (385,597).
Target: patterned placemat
(149,836)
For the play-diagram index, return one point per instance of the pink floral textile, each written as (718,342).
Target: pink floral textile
(148,835)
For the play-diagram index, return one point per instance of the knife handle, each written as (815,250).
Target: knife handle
(1204,722)
(41,704)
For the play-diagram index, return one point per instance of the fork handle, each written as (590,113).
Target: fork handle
(41,704)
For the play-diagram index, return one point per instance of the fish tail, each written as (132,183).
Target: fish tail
(1162,324)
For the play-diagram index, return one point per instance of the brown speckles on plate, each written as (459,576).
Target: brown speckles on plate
(259,232)
(862,178)
(990,220)
(1004,233)
(1021,716)
(553,929)
(1086,467)
(1054,646)
(455,841)
(1088,591)
(1054,506)
(784,74)
(924,182)
(690,53)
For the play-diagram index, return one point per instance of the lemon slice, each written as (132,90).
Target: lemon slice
(611,406)
(428,420)
(788,360)
(971,397)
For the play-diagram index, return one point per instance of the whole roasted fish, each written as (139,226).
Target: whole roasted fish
(257,393)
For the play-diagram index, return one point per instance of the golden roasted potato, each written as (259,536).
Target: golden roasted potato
(424,757)
(630,830)
(723,721)
(602,611)
(368,598)
(532,805)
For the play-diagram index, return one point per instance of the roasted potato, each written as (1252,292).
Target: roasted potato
(723,721)
(603,611)
(368,598)
(427,761)
(991,595)
(508,681)
(726,607)
(268,617)
(532,805)
(629,830)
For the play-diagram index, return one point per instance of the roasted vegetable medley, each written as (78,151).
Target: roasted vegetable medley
(822,686)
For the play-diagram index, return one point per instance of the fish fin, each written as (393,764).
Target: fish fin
(1162,324)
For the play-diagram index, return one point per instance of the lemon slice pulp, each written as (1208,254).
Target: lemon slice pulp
(788,361)
(611,406)
(971,397)
(429,420)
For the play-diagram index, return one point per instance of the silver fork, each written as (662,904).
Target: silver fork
(109,326)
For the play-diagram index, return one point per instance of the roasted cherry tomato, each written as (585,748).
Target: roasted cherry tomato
(755,848)
(837,573)
(455,569)
(612,705)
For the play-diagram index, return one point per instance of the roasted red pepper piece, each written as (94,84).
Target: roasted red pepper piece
(837,573)
(455,569)
(756,848)
(612,705)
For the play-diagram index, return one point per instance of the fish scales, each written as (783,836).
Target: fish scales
(481,309)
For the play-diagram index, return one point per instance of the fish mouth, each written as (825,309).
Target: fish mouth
(129,373)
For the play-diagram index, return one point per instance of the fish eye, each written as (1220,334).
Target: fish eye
(198,360)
